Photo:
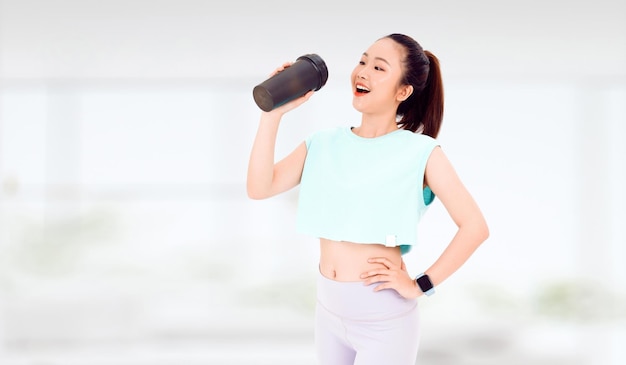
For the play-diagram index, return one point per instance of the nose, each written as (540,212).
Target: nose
(361,74)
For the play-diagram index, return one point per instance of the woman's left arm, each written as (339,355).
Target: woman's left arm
(443,180)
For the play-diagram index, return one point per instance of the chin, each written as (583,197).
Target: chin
(357,106)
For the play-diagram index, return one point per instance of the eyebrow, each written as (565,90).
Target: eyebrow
(377,58)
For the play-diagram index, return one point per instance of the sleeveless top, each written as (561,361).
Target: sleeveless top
(364,190)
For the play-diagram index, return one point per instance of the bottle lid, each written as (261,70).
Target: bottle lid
(320,65)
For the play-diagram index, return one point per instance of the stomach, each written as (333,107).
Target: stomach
(346,261)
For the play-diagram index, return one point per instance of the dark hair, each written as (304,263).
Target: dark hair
(423,110)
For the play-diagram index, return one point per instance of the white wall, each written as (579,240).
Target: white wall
(244,38)
(125,128)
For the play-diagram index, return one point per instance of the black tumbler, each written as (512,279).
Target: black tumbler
(308,73)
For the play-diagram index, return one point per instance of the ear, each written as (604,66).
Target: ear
(404,92)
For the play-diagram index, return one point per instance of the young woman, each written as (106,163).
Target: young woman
(362,192)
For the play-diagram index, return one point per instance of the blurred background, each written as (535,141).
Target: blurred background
(126,236)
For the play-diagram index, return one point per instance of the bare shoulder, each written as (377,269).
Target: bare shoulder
(438,166)
(441,176)
(443,180)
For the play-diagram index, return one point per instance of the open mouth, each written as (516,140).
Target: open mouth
(360,89)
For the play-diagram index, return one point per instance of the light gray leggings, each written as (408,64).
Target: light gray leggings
(357,326)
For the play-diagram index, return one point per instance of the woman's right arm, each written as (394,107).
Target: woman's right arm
(265,177)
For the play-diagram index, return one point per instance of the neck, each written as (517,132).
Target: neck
(372,127)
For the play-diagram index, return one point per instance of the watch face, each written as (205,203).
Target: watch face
(424,283)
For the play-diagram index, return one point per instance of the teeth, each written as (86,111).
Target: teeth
(362,88)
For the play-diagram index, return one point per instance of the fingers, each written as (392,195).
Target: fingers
(392,276)
(281,68)
(383,287)
(387,273)
(305,97)
(391,279)
(294,103)
(379,275)
(382,260)
(377,279)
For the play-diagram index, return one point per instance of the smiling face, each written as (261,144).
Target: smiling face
(376,80)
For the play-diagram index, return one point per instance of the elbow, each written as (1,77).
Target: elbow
(255,194)
(482,231)
(477,230)
(486,233)
(256,197)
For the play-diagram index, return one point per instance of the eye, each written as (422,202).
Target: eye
(378,68)
(361,62)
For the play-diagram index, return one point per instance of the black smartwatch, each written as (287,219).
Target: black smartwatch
(426,286)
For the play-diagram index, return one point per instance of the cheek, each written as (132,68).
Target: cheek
(386,83)
(382,80)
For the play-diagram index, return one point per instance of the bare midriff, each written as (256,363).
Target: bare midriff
(346,261)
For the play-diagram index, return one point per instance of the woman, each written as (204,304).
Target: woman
(363,190)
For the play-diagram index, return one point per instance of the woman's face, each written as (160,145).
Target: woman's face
(376,79)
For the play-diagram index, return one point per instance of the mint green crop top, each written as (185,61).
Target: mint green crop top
(365,190)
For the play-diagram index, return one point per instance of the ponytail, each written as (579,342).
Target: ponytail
(422,111)
(432,99)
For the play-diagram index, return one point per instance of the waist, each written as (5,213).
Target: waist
(346,261)
(357,302)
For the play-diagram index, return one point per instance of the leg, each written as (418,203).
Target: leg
(391,341)
(330,342)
